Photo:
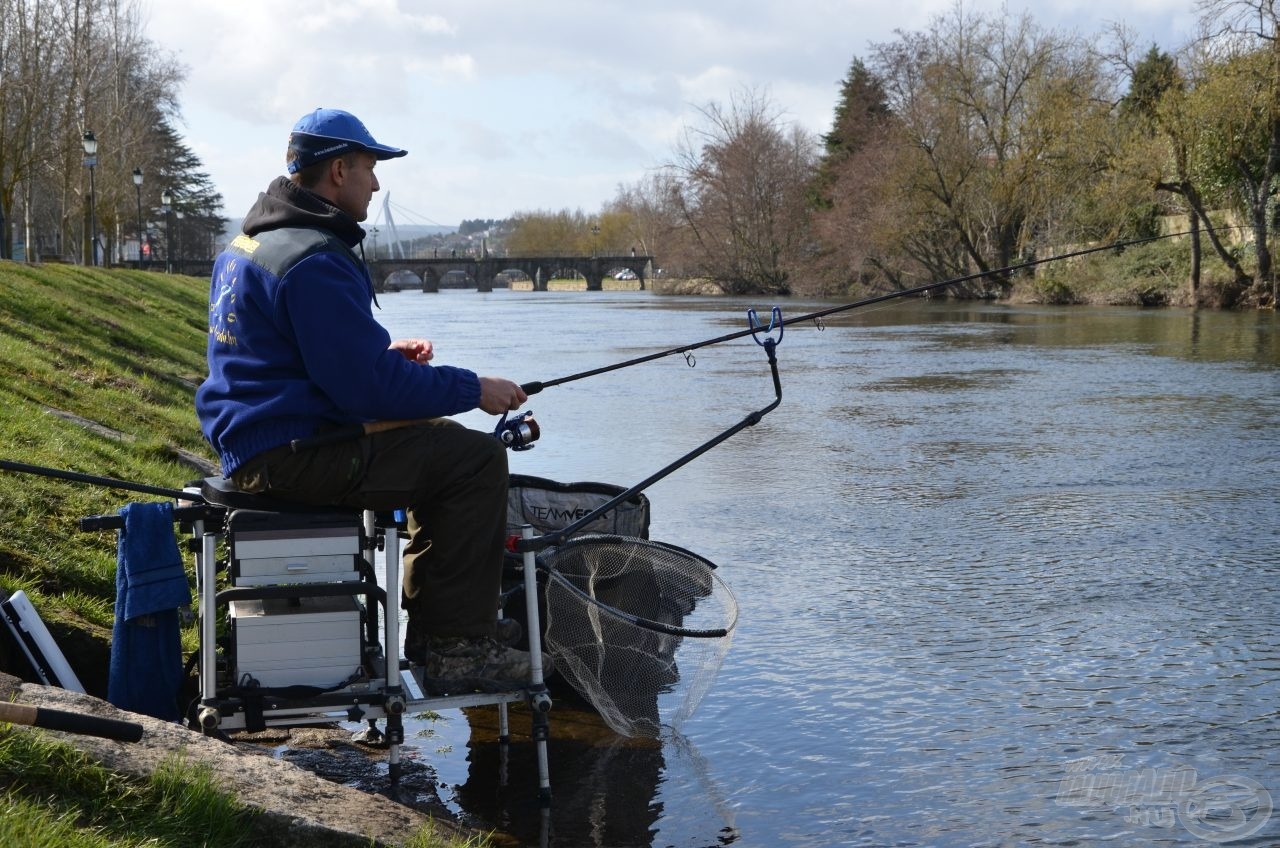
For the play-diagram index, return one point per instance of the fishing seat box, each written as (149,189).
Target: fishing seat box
(270,548)
(295,641)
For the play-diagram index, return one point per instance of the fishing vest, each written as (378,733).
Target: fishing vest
(276,251)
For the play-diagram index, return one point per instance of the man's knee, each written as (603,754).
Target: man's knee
(478,460)
(483,453)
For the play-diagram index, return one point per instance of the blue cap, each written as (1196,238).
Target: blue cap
(326,133)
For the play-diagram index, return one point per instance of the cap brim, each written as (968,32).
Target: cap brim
(382,151)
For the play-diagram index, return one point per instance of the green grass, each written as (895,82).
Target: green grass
(124,350)
(55,796)
(1156,273)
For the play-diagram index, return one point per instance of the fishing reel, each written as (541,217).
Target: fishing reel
(518,433)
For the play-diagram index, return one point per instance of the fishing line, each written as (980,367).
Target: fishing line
(536,386)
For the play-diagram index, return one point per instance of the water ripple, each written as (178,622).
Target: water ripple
(978,551)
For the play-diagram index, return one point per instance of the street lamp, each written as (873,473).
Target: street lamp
(137,185)
(595,239)
(166,203)
(177,213)
(90,160)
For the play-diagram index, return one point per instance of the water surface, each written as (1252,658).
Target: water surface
(1007,576)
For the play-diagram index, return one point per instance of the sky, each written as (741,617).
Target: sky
(510,107)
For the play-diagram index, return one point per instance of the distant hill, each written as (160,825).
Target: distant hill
(407,232)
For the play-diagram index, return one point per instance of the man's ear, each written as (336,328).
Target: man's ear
(338,170)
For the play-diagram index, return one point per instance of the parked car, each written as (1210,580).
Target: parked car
(625,274)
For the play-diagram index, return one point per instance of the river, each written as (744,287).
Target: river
(1006,575)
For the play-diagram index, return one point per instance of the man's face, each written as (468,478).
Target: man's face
(358,185)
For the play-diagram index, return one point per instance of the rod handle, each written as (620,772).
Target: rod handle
(91,523)
(85,725)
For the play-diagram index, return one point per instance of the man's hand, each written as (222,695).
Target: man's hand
(414,350)
(498,395)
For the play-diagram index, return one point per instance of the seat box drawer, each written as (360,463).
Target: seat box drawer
(317,568)
(255,535)
(285,543)
(316,642)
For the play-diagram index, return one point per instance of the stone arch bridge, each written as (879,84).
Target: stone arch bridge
(483,274)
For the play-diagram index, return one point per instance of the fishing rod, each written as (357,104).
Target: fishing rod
(531,388)
(69,722)
(536,386)
(108,482)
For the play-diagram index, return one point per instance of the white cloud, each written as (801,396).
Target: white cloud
(507,106)
(444,67)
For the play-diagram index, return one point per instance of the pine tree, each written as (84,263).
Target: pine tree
(861,114)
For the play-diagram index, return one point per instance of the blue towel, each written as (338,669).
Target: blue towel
(151,584)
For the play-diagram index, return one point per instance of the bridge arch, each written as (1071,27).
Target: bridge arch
(401,280)
(484,273)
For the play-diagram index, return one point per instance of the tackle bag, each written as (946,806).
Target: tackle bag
(548,506)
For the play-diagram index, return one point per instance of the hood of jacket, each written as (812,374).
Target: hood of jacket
(286,204)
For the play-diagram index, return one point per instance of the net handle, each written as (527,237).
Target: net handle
(647,624)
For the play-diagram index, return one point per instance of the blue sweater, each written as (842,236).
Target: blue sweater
(293,344)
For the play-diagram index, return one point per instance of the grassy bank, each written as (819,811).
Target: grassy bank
(56,796)
(1154,274)
(97,371)
(97,374)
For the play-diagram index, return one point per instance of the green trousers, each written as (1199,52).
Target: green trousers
(452,482)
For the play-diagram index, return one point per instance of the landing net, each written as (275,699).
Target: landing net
(639,628)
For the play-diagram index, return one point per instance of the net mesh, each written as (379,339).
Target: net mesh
(639,628)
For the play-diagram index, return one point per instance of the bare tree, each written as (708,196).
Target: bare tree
(72,66)
(1002,121)
(650,213)
(1245,104)
(541,233)
(860,229)
(138,91)
(743,174)
(856,217)
(35,73)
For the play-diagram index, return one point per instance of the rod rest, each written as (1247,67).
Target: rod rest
(113,521)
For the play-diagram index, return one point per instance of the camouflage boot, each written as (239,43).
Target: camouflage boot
(454,664)
(507,632)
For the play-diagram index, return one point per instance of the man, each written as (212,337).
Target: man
(294,350)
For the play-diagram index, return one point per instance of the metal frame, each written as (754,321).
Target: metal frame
(392,689)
